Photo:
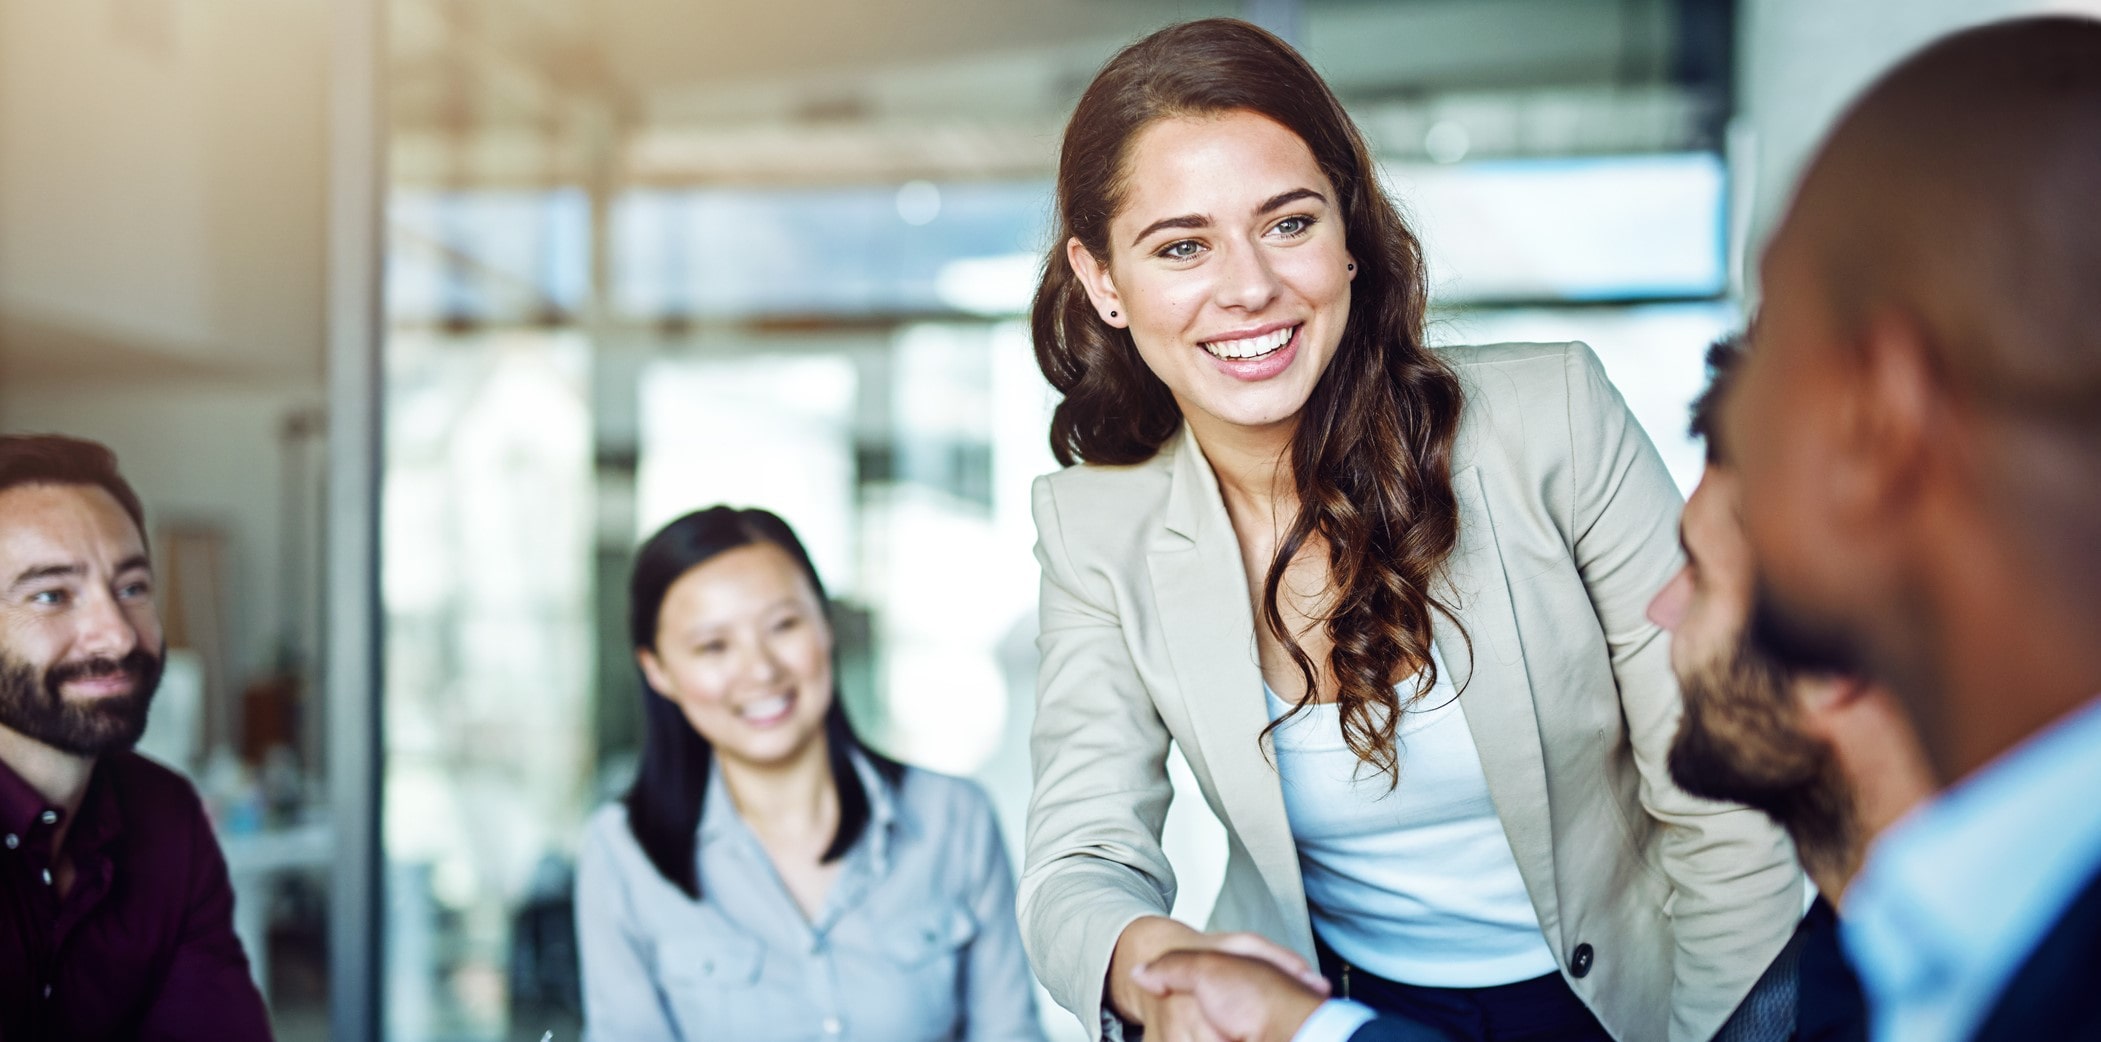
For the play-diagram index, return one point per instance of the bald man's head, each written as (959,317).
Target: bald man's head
(1917,425)
(1964,189)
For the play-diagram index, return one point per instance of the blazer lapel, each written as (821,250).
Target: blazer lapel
(1201,593)
(1496,693)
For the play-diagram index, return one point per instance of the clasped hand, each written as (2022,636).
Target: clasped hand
(1235,988)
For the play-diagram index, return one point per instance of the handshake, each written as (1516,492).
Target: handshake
(1236,988)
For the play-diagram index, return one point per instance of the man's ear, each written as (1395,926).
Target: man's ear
(1893,416)
(1100,286)
(1825,693)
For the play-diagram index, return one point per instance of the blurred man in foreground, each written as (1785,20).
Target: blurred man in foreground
(1917,432)
(116,917)
(1829,757)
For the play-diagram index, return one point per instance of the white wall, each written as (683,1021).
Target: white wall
(1802,61)
(162,252)
(162,182)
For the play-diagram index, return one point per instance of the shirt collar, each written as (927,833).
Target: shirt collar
(1953,897)
(24,811)
(20,805)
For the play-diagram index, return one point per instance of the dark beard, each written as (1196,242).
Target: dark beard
(1741,741)
(36,707)
(1796,644)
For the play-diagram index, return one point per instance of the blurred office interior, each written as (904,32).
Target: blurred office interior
(409,318)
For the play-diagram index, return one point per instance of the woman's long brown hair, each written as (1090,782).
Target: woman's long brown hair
(1372,455)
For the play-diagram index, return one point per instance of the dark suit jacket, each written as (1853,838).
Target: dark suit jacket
(2057,993)
(1389,1028)
(1828,1003)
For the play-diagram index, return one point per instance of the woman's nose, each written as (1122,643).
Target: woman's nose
(1247,283)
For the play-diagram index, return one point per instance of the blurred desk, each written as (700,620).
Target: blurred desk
(253,859)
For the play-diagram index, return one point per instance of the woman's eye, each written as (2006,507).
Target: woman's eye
(1293,227)
(131,591)
(713,647)
(786,624)
(1180,250)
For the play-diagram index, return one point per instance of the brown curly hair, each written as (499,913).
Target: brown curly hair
(1371,457)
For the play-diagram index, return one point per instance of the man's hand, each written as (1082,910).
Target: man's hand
(1243,999)
(1174,1018)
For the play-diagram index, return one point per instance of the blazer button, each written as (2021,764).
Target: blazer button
(1579,960)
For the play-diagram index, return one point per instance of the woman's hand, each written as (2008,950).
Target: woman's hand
(1176,1017)
(1244,999)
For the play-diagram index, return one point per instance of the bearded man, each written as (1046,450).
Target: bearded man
(116,916)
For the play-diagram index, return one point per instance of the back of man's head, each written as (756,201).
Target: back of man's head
(54,459)
(1963,191)
(1967,179)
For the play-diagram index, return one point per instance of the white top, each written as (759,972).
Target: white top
(1957,895)
(1417,883)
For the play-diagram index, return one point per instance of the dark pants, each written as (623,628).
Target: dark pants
(1536,1010)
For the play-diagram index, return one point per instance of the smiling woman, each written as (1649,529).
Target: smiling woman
(1387,601)
(769,876)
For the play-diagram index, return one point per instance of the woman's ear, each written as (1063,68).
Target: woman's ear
(1095,279)
(653,672)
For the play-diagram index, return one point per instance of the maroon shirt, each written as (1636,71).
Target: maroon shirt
(142,946)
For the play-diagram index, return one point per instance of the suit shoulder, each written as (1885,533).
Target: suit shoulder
(1104,508)
(1523,369)
(1091,480)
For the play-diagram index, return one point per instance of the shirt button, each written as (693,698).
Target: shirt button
(831,1025)
(47,877)
(47,991)
(13,841)
(49,817)
(1579,962)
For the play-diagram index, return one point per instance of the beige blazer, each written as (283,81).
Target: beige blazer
(1567,528)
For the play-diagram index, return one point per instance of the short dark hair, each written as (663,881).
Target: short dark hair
(1722,358)
(55,459)
(670,790)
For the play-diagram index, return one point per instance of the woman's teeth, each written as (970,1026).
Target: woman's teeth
(1251,347)
(765,709)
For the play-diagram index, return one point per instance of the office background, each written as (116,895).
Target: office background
(409,318)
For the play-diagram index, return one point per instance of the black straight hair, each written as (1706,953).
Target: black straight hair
(664,804)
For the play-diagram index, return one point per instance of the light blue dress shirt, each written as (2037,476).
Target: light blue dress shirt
(1955,897)
(1334,1021)
(916,941)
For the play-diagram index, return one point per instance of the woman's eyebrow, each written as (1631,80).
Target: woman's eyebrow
(1191,220)
(1282,199)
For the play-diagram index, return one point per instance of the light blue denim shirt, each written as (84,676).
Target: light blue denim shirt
(916,941)
(1955,897)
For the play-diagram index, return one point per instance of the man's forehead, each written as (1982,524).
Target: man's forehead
(42,518)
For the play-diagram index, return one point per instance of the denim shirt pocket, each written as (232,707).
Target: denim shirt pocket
(941,933)
(926,951)
(711,983)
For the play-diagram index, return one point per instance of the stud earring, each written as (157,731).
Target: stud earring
(1112,314)
(1353,267)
